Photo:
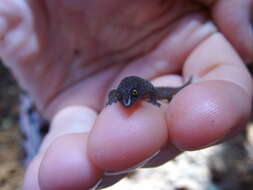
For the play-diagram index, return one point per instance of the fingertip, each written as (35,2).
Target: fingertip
(206,112)
(66,165)
(124,137)
(234,18)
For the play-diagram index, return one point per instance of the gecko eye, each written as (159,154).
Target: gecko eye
(134,92)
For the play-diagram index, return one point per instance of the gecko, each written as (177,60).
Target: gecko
(133,88)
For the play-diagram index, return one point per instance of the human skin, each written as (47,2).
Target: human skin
(69,54)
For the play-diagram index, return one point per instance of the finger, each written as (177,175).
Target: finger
(31,176)
(66,165)
(122,137)
(234,19)
(17,35)
(62,162)
(110,180)
(218,105)
(167,152)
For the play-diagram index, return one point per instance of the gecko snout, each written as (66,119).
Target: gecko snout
(127,102)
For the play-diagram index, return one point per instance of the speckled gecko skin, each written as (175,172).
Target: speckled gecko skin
(134,88)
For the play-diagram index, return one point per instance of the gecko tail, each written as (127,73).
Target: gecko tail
(174,91)
(189,81)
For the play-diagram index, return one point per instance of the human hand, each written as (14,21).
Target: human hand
(69,54)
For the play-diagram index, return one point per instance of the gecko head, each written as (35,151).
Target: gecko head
(129,97)
(130,89)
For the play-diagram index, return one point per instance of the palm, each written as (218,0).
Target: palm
(90,45)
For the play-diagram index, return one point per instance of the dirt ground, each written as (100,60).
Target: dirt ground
(11,171)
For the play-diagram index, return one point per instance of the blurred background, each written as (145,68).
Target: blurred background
(224,167)
(11,170)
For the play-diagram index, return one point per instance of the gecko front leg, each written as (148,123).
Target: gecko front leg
(113,97)
(152,99)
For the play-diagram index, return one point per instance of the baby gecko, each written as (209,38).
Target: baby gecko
(133,88)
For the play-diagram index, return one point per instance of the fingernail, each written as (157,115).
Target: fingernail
(139,165)
(96,186)
(110,180)
(80,118)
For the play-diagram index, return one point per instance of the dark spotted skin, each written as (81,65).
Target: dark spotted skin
(133,88)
